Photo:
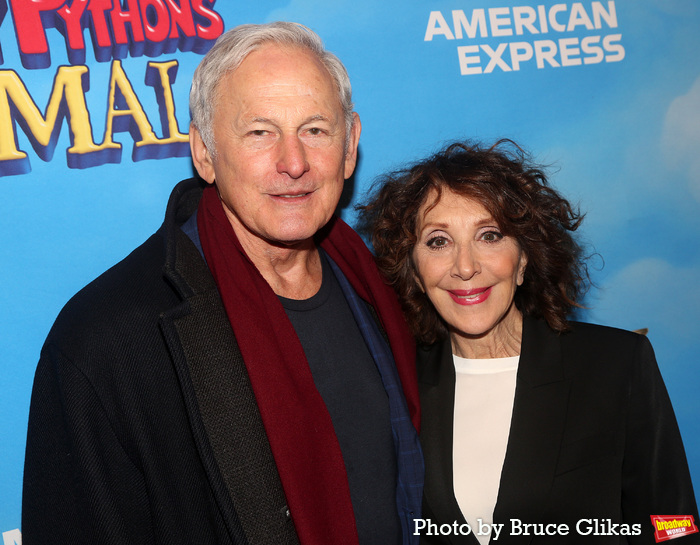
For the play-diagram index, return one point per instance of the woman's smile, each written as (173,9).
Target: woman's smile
(470,297)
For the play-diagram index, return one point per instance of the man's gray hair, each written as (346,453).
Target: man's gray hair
(234,46)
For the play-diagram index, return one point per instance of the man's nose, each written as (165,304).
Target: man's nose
(292,157)
(466,263)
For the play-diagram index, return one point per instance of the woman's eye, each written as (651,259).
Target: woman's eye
(436,242)
(492,236)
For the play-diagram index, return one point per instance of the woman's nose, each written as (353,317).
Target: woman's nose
(465,264)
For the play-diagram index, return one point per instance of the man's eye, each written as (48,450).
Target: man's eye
(315,131)
(258,132)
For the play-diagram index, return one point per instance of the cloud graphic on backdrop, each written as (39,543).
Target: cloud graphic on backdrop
(675,7)
(681,137)
(636,291)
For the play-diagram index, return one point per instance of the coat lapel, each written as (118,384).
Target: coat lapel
(220,402)
(536,431)
(436,377)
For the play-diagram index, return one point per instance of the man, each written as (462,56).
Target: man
(230,381)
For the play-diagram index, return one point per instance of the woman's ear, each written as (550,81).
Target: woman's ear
(417,278)
(521,268)
(419,283)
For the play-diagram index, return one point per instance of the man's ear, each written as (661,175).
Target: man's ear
(351,154)
(201,157)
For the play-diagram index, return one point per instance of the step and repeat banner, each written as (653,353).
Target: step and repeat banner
(93,136)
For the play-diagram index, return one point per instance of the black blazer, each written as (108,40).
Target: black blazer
(593,436)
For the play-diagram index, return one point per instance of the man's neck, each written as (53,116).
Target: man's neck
(293,272)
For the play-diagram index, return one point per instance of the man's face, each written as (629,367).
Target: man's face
(280,159)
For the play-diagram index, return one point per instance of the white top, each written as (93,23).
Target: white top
(484,394)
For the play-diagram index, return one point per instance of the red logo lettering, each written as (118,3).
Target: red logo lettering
(672,526)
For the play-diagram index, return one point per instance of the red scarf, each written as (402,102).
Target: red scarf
(297,423)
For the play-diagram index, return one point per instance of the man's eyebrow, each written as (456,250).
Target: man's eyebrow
(311,119)
(317,117)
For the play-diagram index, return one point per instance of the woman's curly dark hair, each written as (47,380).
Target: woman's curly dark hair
(518,196)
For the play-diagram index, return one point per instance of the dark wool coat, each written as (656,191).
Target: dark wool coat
(593,436)
(143,427)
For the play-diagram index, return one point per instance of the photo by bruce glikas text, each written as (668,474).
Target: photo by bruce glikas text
(516,527)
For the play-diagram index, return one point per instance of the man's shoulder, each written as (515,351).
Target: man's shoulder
(137,286)
(119,297)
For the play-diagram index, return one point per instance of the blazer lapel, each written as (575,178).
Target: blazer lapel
(536,430)
(436,376)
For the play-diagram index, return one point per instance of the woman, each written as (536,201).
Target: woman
(534,428)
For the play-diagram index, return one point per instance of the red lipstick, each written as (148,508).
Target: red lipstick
(470,297)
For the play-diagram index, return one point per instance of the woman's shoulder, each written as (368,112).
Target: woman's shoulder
(583,336)
(604,348)
(599,329)
(587,332)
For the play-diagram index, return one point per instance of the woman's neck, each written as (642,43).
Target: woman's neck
(502,341)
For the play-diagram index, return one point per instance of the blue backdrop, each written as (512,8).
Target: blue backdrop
(93,117)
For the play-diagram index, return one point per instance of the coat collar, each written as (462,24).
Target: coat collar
(540,354)
(540,357)
(535,435)
(178,268)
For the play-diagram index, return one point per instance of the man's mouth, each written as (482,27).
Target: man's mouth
(294,196)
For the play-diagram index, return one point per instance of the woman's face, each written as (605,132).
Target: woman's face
(470,272)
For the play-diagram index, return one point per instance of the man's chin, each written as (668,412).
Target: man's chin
(293,243)
(296,233)
(292,239)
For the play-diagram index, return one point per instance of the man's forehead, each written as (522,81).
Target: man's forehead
(274,55)
(280,72)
